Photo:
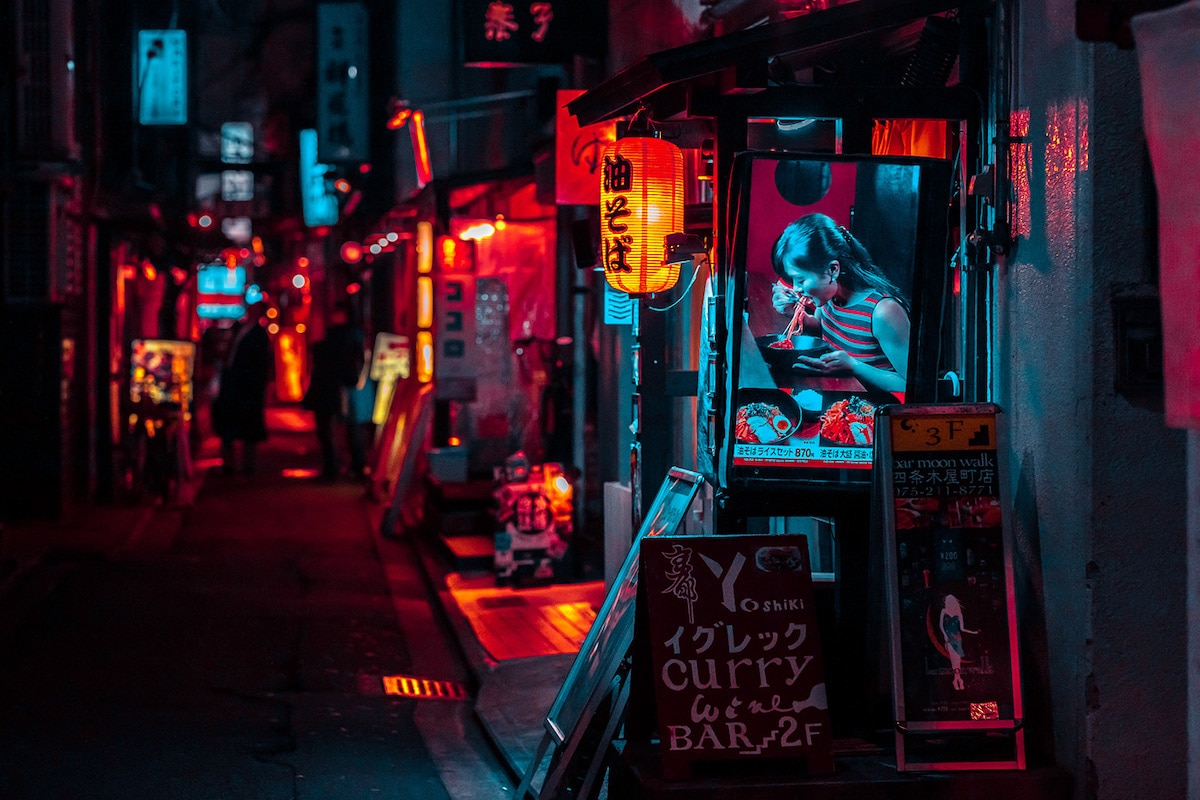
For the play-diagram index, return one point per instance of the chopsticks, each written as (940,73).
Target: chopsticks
(796,323)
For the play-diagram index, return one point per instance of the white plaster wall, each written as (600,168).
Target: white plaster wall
(1098,483)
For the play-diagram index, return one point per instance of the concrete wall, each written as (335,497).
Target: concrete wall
(1098,482)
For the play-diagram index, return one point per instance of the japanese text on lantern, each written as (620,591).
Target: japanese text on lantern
(500,23)
(617,177)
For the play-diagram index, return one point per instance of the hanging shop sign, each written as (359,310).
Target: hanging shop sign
(735,651)
(161,77)
(578,154)
(955,664)
(641,203)
(319,203)
(342,50)
(499,34)
(237,142)
(220,291)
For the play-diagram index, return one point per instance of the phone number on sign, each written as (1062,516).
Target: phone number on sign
(827,455)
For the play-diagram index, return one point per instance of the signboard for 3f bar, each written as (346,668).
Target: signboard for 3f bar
(950,587)
(735,651)
(500,34)
(342,83)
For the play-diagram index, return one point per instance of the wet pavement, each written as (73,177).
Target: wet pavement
(242,645)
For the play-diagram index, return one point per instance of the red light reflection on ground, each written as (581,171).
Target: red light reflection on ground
(289,419)
(423,688)
(526,622)
(302,474)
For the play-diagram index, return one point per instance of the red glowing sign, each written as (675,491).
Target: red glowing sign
(578,152)
(498,33)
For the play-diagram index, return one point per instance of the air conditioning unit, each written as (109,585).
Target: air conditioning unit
(45,81)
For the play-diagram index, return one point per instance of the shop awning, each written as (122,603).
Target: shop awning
(805,40)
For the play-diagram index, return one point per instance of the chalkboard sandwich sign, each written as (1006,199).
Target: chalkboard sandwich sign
(735,651)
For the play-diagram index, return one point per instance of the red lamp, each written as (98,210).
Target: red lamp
(641,202)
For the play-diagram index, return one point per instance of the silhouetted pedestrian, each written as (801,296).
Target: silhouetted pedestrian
(337,362)
(239,410)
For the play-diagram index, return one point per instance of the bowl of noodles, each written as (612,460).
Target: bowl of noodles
(849,422)
(782,352)
(765,416)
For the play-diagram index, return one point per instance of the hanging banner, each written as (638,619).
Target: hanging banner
(578,154)
(499,34)
(1167,60)
(161,78)
(319,203)
(342,52)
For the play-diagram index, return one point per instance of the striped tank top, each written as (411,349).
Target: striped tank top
(849,328)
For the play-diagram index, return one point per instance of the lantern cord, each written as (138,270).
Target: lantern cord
(701,261)
(640,124)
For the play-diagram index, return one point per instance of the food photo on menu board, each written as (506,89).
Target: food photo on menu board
(831,255)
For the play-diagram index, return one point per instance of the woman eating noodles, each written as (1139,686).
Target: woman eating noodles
(830,288)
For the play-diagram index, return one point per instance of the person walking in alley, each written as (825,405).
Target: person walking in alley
(239,410)
(337,362)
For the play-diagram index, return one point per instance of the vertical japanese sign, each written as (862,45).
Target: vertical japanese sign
(161,77)
(735,651)
(342,52)
(954,632)
(578,154)
(319,203)
(454,321)
(498,34)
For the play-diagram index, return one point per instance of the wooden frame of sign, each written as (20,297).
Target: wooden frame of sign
(943,497)
(589,706)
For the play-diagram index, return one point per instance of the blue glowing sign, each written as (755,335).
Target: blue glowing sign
(220,279)
(320,204)
(220,310)
(161,78)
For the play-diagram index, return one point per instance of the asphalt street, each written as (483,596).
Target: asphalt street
(234,647)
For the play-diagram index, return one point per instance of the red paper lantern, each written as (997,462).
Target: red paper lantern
(641,202)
